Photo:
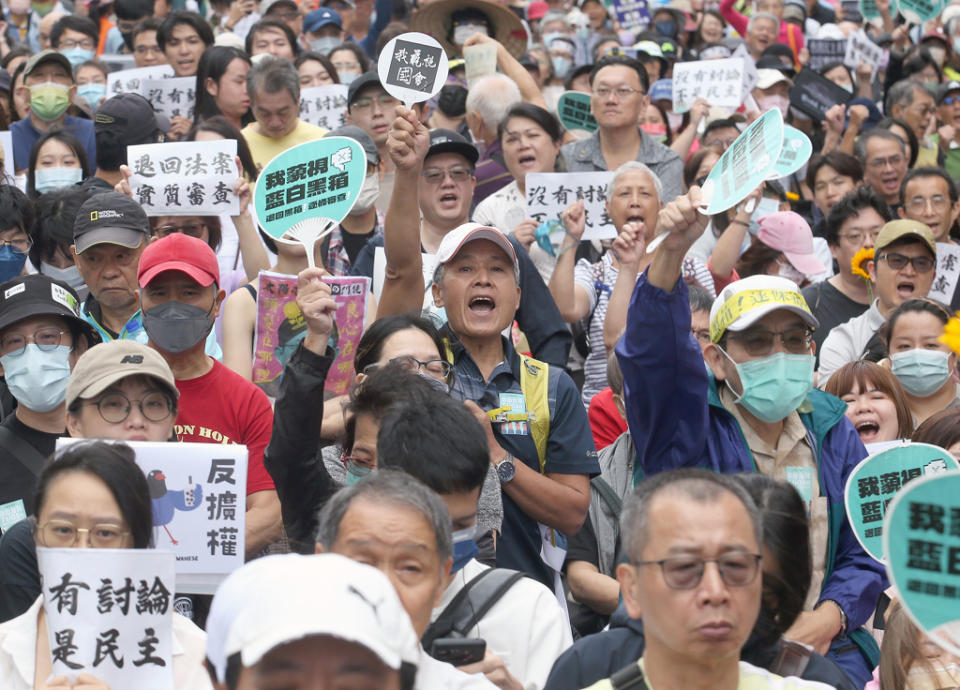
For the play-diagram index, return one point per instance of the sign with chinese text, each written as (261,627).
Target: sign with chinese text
(632,15)
(192,178)
(573,109)
(718,81)
(794,153)
(412,68)
(814,94)
(480,60)
(549,194)
(919,11)
(874,482)
(110,614)
(948,271)
(281,327)
(823,51)
(173,97)
(131,80)
(11,513)
(921,542)
(324,106)
(861,49)
(198,493)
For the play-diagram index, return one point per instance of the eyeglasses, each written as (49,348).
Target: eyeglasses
(918,204)
(143,50)
(856,236)
(621,92)
(702,335)
(69,44)
(759,343)
(436,175)
(284,16)
(438,368)
(921,264)
(924,109)
(384,100)
(115,407)
(950,100)
(191,229)
(46,339)
(881,163)
(18,246)
(721,143)
(686,572)
(62,534)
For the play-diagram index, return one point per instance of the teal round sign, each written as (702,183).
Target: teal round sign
(573,109)
(319,179)
(795,153)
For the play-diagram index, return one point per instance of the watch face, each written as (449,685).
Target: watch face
(506,470)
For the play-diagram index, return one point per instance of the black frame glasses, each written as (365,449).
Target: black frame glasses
(737,569)
(438,368)
(115,407)
(921,264)
(759,342)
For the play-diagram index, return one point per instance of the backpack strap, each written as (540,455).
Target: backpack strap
(471,604)
(609,496)
(535,386)
(628,678)
(22,452)
(792,659)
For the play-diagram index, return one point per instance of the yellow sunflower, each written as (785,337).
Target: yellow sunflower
(859,259)
(951,334)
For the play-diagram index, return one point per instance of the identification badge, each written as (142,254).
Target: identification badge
(11,513)
(515,408)
(802,480)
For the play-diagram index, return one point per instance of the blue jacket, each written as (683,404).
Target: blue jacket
(676,419)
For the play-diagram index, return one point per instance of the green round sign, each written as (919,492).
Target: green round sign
(573,109)
(795,153)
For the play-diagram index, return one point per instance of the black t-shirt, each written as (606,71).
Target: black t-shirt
(353,243)
(582,546)
(19,575)
(831,307)
(17,481)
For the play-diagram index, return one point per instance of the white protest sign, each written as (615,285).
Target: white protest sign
(131,80)
(110,614)
(718,81)
(198,493)
(6,141)
(750,76)
(948,272)
(480,60)
(193,178)
(549,194)
(324,106)
(413,68)
(174,97)
(861,49)
(380,267)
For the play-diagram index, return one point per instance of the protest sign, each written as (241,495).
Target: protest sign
(480,60)
(412,68)
(198,494)
(281,327)
(948,271)
(109,614)
(750,160)
(632,15)
(851,11)
(876,480)
(814,94)
(304,192)
(919,11)
(718,81)
(573,108)
(861,49)
(192,178)
(921,542)
(131,80)
(6,142)
(324,106)
(173,97)
(549,194)
(823,51)
(750,75)
(11,513)
(794,154)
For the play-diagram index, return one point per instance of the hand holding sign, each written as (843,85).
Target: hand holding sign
(412,68)
(408,140)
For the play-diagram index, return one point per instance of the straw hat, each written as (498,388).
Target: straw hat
(434,20)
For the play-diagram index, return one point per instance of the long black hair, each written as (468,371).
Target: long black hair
(370,347)
(213,65)
(68,140)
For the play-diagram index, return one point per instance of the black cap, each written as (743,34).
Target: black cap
(110,218)
(361,137)
(40,295)
(130,118)
(946,88)
(448,141)
(773,62)
(359,84)
(4,80)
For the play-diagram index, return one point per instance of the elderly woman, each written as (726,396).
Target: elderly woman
(599,293)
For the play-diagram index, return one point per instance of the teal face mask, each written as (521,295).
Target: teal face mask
(774,386)
(356,472)
(921,372)
(93,94)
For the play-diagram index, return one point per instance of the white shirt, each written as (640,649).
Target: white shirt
(18,652)
(526,628)
(847,341)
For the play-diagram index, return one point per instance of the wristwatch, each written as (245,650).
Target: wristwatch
(506,469)
(843,615)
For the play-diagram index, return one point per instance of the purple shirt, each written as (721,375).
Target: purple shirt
(491,175)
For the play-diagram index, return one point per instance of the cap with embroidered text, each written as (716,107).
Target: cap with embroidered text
(103,365)
(744,302)
(38,295)
(110,218)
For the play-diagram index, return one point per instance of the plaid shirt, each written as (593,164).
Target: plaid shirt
(336,260)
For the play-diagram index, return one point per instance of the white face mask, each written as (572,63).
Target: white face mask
(786,270)
(368,194)
(465,31)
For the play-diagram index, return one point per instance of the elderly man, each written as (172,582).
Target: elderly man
(762,30)
(619,97)
(753,409)
(929,195)
(488,101)
(884,158)
(910,101)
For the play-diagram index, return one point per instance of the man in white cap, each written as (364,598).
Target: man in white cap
(772,91)
(753,408)
(304,622)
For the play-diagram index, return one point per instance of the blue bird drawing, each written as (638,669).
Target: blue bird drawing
(165,503)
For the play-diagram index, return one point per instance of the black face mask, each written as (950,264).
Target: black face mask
(176,327)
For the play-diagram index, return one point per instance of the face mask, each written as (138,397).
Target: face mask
(69,275)
(464,548)
(658,132)
(921,372)
(48,101)
(781,103)
(46,179)
(437,384)
(583,32)
(787,270)
(11,263)
(356,472)
(347,77)
(955,42)
(77,56)
(846,87)
(465,31)
(368,194)
(938,54)
(176,327)
(93,94)
(666,28)
(38,379)
(774,386)
(675,120)
(42,8)
(324,45)
(561,66)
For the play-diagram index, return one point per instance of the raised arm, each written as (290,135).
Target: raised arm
(252,251)
(572,301)
(629,247)
(509,65)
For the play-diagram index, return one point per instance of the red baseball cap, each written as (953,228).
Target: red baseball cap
(179,252)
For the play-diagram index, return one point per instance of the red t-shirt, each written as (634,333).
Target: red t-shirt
(606,424)
(223,407)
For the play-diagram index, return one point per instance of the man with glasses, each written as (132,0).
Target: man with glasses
(929,195)
(884,158)
(371,108)
(903,267)
(720,133)
(910,101)
(754,408)
(619,97)
(146,50)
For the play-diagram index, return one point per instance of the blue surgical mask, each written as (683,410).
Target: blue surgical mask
(92,93)
(46,179)
(38,379)
(561,66)
(465,548)
(324,45)
(956,45)
(774,386)
(11,263)
(666,28)
(77,56)
(356,472)
(921,372)
(549,38)
(347,77)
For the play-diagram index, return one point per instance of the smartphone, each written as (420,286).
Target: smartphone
(458,651)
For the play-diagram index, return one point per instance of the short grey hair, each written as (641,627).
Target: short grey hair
(491,97)
(634,166)
(555,16)
(271,74)
(700,486)
(388,486)
(763,15)
(860,145)
(903,93)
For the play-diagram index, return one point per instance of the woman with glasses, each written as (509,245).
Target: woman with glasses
(90,495)
(349,61)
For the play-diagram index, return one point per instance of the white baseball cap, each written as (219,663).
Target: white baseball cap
(278,599)
(744,302)
(768,77)
(457,238)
